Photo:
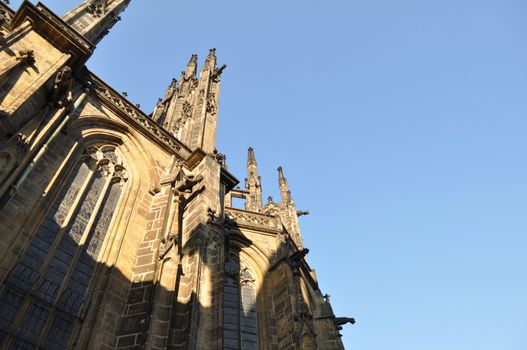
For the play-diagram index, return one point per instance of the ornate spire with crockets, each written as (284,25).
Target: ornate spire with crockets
(253,184)
(285,194)
(94,18)
(190,108)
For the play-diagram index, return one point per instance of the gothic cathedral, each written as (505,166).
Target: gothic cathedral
(117,229)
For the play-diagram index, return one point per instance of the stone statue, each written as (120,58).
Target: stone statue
(61,94)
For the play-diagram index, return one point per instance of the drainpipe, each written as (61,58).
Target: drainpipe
(22,178)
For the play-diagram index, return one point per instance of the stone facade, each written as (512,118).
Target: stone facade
(117,228)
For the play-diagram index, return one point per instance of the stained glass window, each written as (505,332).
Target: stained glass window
(43,296)
(239,306)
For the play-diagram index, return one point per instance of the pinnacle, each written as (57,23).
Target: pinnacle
(251,159)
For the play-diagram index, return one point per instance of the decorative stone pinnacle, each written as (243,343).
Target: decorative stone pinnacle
(251,159)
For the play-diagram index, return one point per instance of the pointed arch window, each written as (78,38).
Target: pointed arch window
(239,308)
(44,298)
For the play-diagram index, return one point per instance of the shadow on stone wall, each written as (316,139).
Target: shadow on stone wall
(207,294)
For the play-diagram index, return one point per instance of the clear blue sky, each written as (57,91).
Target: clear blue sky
(401,126)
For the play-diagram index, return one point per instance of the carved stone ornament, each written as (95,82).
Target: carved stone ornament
(211,213)
(185,115)
(4,16)
(105,161)
(187,110)
(220,158)
(232,266)
(166,245)
(97,7)
(341,321)
(295,259)
(211,104)
(201,97)
(133,112)
(216,75)
(246,277)
(187,182)
(61,94)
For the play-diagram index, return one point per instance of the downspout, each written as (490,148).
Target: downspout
(22,178)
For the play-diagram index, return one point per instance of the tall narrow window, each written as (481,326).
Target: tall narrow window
(239,308)
(44,296)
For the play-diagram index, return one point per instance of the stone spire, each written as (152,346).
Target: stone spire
(94,18)
(285,194)
(192,66)
(190,112)
(163,104)
(253,184)
(288,212)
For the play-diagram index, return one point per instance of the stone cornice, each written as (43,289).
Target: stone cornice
(229,180)
(124,108)
(54,29)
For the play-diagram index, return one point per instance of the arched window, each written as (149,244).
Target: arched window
(239,308)
(42,301)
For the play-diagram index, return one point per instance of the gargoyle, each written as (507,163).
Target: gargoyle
(188,182)
(341,321)
(217,73)
(299,255)
(301,212)
(220,158)
(212,216)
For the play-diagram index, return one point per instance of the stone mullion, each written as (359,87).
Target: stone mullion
(73,263)
(29,296)
(92,287)
(99,291)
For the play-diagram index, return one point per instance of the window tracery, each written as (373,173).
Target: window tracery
(240,318)
(42,297)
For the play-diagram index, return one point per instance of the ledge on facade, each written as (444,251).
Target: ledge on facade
(254,221)
(229,180)
(122,107)
(195,158)
(239,193)
(55,30)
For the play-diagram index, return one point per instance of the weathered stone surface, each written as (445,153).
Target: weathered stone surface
(119,235)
